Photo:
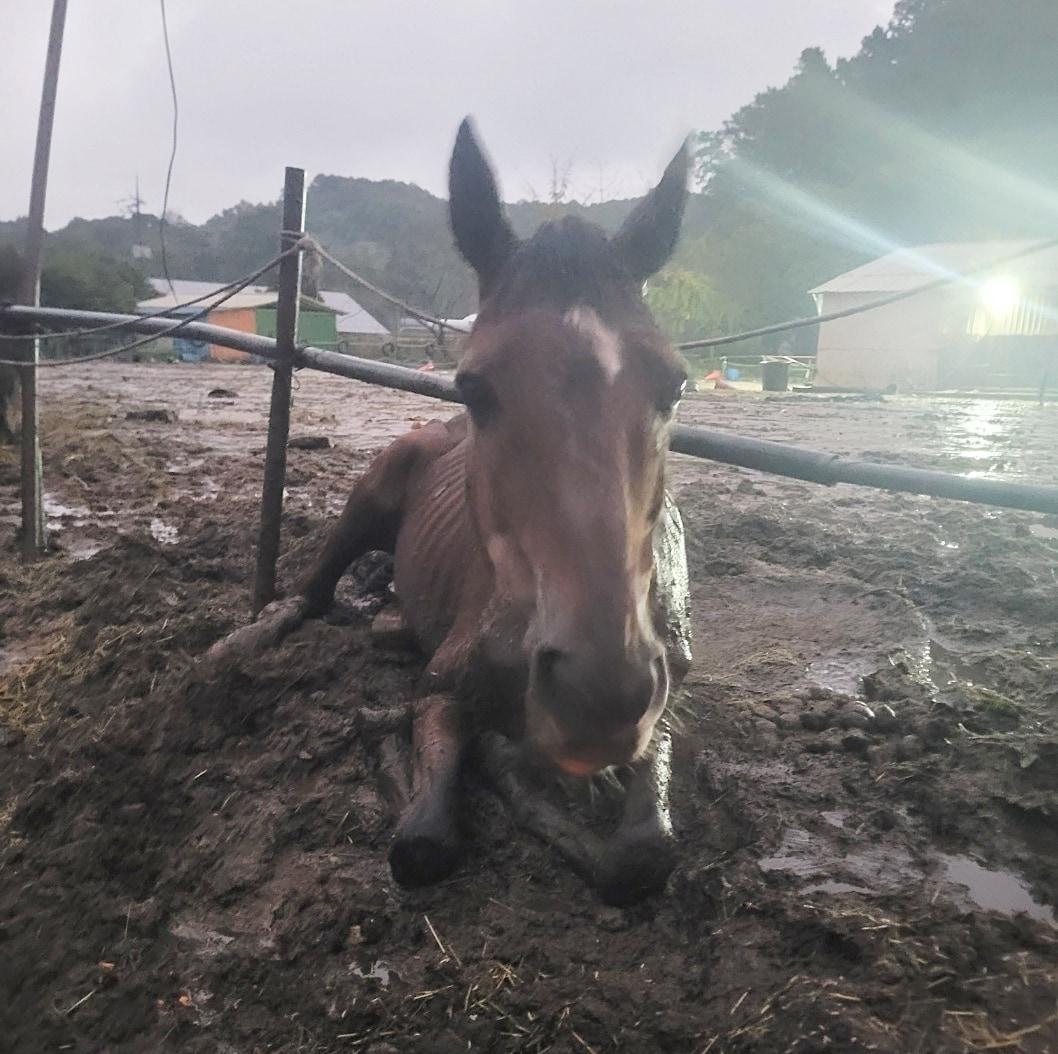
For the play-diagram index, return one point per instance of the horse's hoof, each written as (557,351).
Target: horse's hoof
(422,859)
(632,869)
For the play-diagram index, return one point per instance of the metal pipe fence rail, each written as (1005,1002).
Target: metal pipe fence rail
(714,445)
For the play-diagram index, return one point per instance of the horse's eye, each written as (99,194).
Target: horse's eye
(670,400)
(478,395)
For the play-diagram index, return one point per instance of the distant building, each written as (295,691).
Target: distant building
(998,328)
(251,310)
(353,320)
(323,323)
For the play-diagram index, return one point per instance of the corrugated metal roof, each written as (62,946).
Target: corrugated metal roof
(907,268)
(190,287)
(239,300)
(352,318)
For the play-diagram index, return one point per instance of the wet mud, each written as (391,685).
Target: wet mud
(865,764)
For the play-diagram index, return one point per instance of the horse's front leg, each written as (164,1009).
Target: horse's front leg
(426,847)
(639,858)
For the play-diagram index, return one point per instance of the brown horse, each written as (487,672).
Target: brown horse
(537,559)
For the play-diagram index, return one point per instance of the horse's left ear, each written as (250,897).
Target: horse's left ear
(483,235)
(648,237)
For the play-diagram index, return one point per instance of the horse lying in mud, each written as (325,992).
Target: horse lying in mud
(538,561)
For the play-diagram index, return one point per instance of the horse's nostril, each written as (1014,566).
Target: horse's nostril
(547,659)
(641,693)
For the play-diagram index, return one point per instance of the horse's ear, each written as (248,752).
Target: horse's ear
(483,235)
(648,237)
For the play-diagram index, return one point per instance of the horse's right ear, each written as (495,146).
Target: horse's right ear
(648,237)
(483,235)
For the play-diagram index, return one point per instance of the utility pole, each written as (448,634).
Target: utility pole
(33,527)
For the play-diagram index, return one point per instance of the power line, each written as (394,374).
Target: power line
(172,152)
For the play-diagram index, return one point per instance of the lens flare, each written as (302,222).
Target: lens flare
(999,295)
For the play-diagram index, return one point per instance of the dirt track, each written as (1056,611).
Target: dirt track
(866,774)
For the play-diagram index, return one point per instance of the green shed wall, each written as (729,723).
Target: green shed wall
(314,327)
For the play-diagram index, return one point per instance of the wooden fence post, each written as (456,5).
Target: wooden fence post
(32,487)
(275,471)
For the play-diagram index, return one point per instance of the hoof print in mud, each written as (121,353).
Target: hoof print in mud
(633,869)
(422,860)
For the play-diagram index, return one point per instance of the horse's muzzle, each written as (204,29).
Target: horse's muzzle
(588,719)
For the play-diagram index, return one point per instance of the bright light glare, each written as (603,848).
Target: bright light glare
(999,295)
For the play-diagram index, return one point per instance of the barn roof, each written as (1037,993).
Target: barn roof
(352,318)
(189,288)
(906,268)
(240,300)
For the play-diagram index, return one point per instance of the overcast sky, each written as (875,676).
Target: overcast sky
(378,89)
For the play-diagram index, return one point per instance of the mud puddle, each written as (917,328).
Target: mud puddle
(880,869)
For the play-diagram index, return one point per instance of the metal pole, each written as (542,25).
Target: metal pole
(33,533)
(275,472)
(728,448)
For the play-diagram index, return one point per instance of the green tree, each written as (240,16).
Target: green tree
(75,276)
(90,281)
(685,304)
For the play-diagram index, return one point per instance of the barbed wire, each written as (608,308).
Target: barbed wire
(232,289)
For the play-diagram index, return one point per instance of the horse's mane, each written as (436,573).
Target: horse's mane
(565,263)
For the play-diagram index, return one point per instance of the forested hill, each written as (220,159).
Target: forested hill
(395,234)
(943,126)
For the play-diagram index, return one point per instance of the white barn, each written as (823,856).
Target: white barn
(998,328)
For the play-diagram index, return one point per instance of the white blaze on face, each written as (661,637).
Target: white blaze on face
(605,343)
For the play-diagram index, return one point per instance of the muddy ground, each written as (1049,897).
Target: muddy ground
(866,784)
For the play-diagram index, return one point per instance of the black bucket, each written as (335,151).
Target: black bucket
(775,376)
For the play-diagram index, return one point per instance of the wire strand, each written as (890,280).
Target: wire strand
(74,334)
(731,338)
(892,298)
(423,316)
(235,287)
(172,152)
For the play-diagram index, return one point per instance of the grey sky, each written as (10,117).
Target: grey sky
(377,90)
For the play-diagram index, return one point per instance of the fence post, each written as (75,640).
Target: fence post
(279,413)
(33,532)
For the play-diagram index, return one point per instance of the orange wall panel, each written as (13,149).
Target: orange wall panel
(244,319)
